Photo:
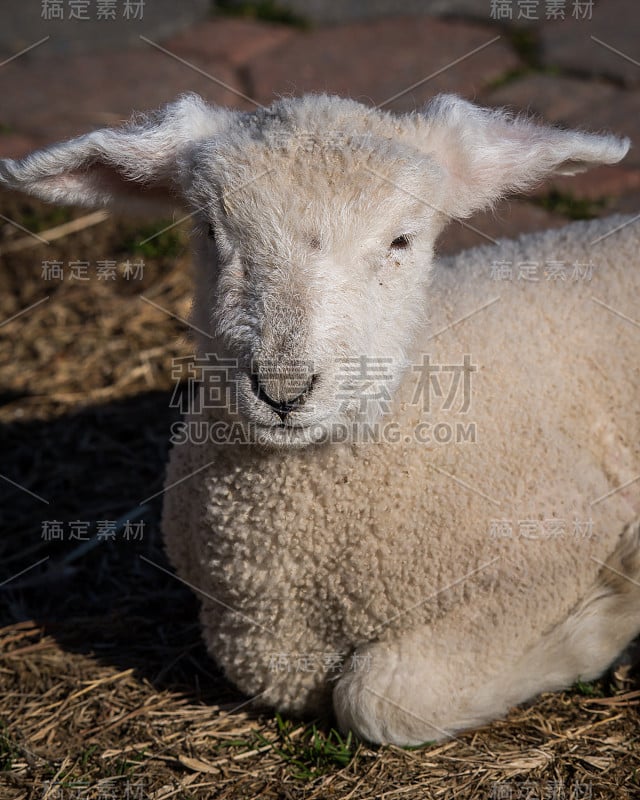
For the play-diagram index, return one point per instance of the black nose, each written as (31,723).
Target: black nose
(283,407)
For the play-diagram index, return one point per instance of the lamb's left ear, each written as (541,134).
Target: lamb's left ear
(487,153)
(135,167)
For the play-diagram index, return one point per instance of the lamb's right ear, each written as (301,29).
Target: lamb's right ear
(485,153)
(135,167)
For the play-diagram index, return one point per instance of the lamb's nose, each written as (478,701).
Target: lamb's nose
(284,406)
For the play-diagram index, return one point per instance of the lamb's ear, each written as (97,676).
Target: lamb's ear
(135,167)
(487,153)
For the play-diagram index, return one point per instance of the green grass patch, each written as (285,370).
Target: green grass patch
(7,750)
(308,751)
(588,689)
(265,10)
(87,755)
(508,77)
(312,752)
(148,242)
(569,206)
(41,220)
(526,44)
(517,73)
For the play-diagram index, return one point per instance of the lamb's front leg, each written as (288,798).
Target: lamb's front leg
(466,670)
(423,686)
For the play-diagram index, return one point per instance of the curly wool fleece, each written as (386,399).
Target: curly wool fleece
(302,555)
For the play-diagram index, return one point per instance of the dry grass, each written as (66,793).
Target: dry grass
(105,688)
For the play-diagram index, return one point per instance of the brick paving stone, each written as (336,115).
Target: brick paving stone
(63,97)
(333,11)
(234,41)
(507,221)
(45,100)
(16,145)
(557,98)
(371,61)
(568,44)
(590,105)
(595,184)
(627,204)
(89,26)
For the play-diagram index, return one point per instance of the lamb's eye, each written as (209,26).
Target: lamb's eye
(211,232)
(401,242)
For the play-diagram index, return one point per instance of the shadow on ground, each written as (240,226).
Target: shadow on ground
(95,593)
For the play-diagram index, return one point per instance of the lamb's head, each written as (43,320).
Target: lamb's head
(313,260)
(315,221)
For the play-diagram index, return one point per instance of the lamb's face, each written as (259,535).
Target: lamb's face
(313,266)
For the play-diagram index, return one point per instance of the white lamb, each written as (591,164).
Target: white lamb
(484,547)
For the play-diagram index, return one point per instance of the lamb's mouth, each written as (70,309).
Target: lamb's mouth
(288,426)
(290,432)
